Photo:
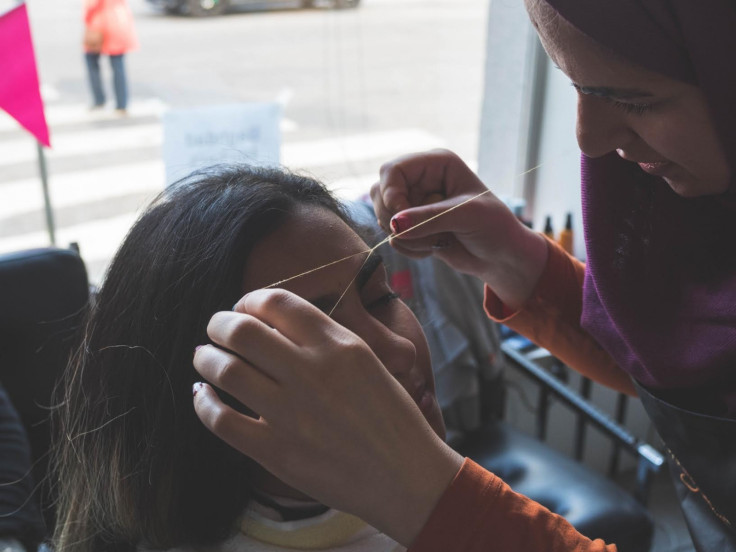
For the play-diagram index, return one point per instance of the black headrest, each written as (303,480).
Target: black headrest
(43,298)
(40,285)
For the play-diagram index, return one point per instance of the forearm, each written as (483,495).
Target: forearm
(550,317)
(480,513)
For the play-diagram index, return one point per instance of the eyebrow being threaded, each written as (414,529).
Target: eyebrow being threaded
(361,270)
(386,240)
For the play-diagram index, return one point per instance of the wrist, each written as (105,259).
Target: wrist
(517,270)
(417,491)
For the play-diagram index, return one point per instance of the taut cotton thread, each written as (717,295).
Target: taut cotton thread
(372,249)
(369,252)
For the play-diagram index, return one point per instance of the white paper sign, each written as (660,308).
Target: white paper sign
(204,136)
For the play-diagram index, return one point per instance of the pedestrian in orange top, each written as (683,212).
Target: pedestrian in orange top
(108,30)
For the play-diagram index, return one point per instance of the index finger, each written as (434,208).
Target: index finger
(294,317)
(407,181)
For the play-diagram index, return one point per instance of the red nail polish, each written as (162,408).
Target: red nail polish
(400,223)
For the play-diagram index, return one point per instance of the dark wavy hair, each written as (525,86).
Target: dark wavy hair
(133,463)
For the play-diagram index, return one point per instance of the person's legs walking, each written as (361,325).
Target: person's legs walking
(120,82)
(95,82)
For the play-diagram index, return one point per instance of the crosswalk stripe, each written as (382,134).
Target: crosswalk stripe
(99,239)
(86,142)
(365,146)
(75,188)
(63,114)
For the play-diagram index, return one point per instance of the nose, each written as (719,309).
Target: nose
(601,126)
(396,352)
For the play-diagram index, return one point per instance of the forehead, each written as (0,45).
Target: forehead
(309,237)
(584,60)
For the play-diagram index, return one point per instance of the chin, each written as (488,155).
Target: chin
(693,188)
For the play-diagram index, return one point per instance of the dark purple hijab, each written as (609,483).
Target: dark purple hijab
(660,285)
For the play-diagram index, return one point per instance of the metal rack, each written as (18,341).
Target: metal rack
(523,355)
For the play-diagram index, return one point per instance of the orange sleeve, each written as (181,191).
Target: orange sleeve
(551,319)
(480,513)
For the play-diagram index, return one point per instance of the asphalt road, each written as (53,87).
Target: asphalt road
(357,86)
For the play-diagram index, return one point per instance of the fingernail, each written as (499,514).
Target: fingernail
(400,223)
(196,387)
(197,348)
(441,244)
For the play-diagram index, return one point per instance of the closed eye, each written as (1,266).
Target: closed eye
(383,300)
(611,96)
(635,108)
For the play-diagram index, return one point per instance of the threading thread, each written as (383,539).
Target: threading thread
(372,249)
(379,244)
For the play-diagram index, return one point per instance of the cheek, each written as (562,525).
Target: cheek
(688,139)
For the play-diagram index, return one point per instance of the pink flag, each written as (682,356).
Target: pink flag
(20,94)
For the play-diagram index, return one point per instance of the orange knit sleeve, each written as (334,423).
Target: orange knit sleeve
(551,319)
(480,513)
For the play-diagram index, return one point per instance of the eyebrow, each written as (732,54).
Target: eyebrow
(609,92)
(326,302)
(367,270)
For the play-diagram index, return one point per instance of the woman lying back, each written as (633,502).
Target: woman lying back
(136,467)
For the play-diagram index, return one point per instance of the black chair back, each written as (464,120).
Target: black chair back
(43,295)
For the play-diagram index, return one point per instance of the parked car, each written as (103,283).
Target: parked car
(200,8)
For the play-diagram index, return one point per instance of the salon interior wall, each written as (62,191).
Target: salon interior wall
(528,120)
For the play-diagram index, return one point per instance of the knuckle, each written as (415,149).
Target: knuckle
(239,329)
(215,323)
(444,152)
(227,371)
(352,346)
(375,191)
(386,168)
(277,299)
(270,299)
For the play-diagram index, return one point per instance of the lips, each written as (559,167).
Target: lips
(424,399)
(418,392)
(657,168)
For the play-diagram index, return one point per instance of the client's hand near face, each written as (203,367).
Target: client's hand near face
(320,382)
(312,379)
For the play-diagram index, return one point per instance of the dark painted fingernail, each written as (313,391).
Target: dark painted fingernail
(441,244)
(196,387)
(400,223)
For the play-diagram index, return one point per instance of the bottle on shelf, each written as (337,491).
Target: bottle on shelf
(566,237)
(548,230)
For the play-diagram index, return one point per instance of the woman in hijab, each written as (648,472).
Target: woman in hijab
(653,312)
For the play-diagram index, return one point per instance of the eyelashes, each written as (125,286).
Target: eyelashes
(627,107)
(383,300)
(634,108)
